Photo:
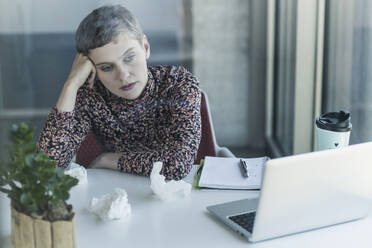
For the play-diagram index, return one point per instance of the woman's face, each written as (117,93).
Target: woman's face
(121,65)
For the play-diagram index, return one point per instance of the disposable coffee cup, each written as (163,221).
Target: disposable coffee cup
(333,130)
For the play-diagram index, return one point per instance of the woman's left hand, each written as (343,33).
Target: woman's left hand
(107,160)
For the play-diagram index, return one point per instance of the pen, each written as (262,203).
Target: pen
(244,168)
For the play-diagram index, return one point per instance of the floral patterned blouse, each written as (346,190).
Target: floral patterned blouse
(162,124)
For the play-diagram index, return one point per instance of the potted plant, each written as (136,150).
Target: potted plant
(38,189)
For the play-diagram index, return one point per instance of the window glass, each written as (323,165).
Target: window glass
(348,61)
(284,74)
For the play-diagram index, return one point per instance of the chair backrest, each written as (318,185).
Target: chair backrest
(208,141)
(90,148)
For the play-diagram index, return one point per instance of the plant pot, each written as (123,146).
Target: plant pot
(29,232)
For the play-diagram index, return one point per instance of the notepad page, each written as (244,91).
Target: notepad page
(225,173)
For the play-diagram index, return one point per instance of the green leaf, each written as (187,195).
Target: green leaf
(29,158)
(59,172)
(31,147)
(23,199)
(29,137)
(23,126)
(70,181)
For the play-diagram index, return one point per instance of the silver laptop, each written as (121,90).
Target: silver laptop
(304,192)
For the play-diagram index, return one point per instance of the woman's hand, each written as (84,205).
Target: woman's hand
(82,71)
(108,160)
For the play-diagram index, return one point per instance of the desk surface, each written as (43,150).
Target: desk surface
(184,223)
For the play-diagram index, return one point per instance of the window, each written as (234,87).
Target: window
(295,45)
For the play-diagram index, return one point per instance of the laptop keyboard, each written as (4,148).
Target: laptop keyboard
(244,220)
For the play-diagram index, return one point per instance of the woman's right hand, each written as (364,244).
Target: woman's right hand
(82,71)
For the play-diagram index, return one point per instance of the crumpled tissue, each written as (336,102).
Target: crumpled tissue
(77,171)
(167,190)
(111,206)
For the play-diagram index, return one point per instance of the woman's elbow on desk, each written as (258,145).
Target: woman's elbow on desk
(174,168)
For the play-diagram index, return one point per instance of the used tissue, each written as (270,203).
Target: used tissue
(111,206)
(167,190)
(78,172)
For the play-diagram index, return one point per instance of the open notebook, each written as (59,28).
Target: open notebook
(225,173)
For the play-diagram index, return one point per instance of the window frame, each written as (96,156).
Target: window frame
(308,69)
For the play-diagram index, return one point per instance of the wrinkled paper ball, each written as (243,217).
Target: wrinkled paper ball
(167,191)
(77,171)
(111,206)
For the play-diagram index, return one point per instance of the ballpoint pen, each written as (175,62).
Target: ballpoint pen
(244,168)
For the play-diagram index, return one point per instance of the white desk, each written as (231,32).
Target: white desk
(185,223)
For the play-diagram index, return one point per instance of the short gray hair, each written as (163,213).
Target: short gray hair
(103,25)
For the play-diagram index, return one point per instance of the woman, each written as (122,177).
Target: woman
(139,114)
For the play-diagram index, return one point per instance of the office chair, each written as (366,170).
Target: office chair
(90,148)
(208,144)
